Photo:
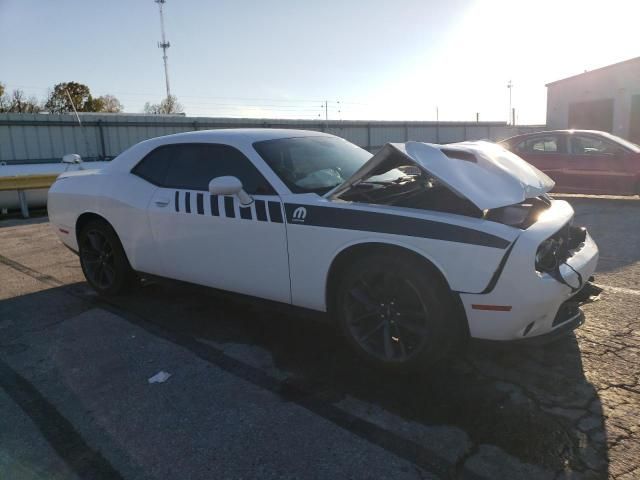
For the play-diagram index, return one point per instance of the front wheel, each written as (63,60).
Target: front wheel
(394,312)
(103,260)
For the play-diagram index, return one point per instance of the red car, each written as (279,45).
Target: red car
(582,161)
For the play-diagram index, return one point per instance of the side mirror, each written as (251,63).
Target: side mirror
(230,186)
(73,158)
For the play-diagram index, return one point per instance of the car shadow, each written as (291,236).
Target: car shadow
(533,402)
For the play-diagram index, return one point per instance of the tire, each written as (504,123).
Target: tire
(395,312)
(103,261)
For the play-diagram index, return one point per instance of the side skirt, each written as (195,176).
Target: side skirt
(148,279)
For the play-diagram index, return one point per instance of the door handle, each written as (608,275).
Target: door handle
(162,202)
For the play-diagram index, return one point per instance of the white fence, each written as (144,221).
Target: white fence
(42,138)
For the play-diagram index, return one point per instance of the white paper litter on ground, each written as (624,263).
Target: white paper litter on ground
(159,377)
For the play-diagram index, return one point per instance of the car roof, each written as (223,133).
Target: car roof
(548,132)
(236,137)
(232,135)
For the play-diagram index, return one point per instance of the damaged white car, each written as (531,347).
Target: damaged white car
(408,250)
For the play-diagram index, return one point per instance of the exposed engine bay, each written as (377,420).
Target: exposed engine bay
(412,188)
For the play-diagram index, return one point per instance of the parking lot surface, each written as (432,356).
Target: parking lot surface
(260,392)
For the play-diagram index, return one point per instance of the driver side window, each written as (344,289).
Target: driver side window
(587,145)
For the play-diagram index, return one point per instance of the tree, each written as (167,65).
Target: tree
(4,99)
(59,102)
(110,104)
(21,104)
(167,106)
(17,102)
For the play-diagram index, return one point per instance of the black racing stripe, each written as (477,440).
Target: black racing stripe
(394,224)
(245,213)
(177,201)
(275,212)
(187,202)
(229,211)
(213,201)
(496,275)
(261,210)
(200,203)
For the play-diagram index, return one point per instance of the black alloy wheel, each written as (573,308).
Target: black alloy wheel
(386,316)
(103,260)
(98,260)
(393,312)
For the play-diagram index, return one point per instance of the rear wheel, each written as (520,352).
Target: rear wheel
(103,261)
(393,312)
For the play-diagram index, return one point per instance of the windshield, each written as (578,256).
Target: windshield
(312,164)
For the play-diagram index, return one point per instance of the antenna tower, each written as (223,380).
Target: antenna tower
(164,45)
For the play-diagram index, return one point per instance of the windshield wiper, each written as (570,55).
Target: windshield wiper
(405,178)
(395,181)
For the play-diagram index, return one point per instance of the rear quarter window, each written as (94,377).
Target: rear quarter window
(153,167)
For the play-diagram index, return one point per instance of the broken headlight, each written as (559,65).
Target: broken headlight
(557,248)
(547,255)
(577,236)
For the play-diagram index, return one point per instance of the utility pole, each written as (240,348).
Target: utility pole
(477,117)
(437,114)
(75,110)
(326,114)
(164,45)
(510,87)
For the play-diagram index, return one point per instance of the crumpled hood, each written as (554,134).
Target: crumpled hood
(482,172)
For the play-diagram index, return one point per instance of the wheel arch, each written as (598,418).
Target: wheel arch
(85,218)
(350,253)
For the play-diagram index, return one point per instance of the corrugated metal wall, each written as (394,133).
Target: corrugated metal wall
(38,138)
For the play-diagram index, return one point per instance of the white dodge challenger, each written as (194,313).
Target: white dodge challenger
(408,250)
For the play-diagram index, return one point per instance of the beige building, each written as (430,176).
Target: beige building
(607,98)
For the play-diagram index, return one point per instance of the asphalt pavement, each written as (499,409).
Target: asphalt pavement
(257,391)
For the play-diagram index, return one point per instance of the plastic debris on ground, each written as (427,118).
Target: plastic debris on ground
(159,377)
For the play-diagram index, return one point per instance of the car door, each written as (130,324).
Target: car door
(547,152)
(598,165)
(212,240)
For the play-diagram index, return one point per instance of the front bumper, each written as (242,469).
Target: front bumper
(527,302)
(567,319)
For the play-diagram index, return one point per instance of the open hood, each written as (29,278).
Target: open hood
(482,172)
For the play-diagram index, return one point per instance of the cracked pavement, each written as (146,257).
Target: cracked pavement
(261,392)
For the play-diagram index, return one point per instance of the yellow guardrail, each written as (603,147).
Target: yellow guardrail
(27,182)
(20,183)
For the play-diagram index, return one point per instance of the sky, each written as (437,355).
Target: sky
(369,59)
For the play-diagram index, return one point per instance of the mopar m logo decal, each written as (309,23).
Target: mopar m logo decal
(299,214)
